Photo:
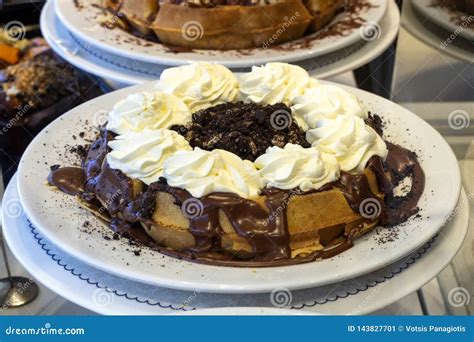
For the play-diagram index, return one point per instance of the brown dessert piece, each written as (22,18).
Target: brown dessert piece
(33,93)
(220,25)
(231,26)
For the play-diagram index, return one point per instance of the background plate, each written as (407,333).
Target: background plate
(61,221)
(445,18)
(82,23)
(129,72)
(435,36)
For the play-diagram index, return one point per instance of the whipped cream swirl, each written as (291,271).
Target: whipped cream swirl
(274,83)
(140,155)
(202,172)
(325,102)
(147,110)
(296,167)
(349,140)
(200,85)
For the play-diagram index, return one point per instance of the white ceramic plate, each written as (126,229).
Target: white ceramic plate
(446,18)
(128,72)
(60,219)
(437,37)
(82,23)
(91,59)
(99,292)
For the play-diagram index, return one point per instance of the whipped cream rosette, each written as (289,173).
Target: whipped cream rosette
(294,167)
(203,172)
(140,155)
(200,85)
(349,140)
(147,110)
(274,83)
(325,102)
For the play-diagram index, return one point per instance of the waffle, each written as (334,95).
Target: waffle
(230,27)
(222,27)
(314,220)
(139,13)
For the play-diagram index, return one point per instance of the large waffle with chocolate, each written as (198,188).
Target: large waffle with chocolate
(242,181)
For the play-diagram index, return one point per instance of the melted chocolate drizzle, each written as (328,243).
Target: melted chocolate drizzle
(269,238)
(266,229)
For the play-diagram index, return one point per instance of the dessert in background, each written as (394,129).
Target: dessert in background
(12,51)
(222,24)
(36,87)
(466,6)
(264,168)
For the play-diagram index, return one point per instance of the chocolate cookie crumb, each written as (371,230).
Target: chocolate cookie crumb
(245,129)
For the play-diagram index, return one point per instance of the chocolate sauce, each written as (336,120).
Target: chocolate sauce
(224,258)
(111,187)
(265,228)
(69,180)
(400,164)
(269,238)
(356,188)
